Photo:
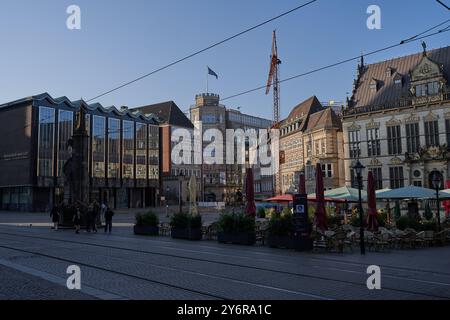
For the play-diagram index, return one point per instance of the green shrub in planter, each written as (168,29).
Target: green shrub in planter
(402,223)
(186,226)
(261,213)
(332,220)
(236,223)
(236,228)
(147,224)
(430,225)
(281,226)
(148,219)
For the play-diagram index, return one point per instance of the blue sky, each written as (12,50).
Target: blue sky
(121,40)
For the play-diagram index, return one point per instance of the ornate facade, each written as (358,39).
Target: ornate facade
(311,134)
(398,121)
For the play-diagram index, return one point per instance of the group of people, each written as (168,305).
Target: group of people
(89,214)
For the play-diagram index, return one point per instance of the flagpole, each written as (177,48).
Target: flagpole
(207,80)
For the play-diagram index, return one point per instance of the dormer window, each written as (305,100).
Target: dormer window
(389,72)
(398,79)
(373,85)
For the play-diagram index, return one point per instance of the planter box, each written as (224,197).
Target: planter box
(290,242)
(187,234)
(146,230)
(244,238)
(287,242)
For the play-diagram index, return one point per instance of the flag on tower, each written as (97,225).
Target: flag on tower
(212,73)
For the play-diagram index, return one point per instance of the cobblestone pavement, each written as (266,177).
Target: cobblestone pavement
(125,266)
(17,285)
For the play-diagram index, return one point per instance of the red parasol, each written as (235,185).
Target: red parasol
(372,204)
(321,215)
(250,194)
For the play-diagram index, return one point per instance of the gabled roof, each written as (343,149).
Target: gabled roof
(325,119)
(309,106)
(388,91)
(168,113)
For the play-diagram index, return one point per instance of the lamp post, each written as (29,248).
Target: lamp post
(181,192)
(437,184)
(358,167)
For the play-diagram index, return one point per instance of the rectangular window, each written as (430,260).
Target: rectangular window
(323,145)
(354,144)
(412,137)
(141,150)
(421,90)
(46,141)
(396,177)
(433,88)
(65,130)
(128,149)
(432,133)
(98,147)
(377,177)
(417,183)
(317,147)
(394,140)
(327,170)
(373,142)
(114,148)
(447,130)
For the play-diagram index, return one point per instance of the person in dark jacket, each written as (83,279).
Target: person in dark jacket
(55,215)
(77,218)
(94,217)
(108,220)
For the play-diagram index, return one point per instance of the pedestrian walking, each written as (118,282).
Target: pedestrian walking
(103,209)
(89,215)
(55,215)
(77,219)
(95,212)
(108,220)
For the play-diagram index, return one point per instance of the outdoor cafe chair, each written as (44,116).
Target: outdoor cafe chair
(382,241)
(164,229)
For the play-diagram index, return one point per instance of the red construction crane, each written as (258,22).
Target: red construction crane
(273,80)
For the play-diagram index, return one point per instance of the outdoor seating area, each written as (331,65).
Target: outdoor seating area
(332,219)
(347,239)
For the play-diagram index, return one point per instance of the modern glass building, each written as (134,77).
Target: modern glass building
(123,153)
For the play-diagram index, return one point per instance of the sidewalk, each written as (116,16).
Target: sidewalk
(123,217)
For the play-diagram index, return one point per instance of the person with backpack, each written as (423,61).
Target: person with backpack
(108,220)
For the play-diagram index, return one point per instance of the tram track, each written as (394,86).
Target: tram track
(303,275)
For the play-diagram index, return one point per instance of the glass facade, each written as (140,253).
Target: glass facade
(114,148)
(46,141)
(98,147)
(153,146)
(65,131)
(141,151)
(128,150)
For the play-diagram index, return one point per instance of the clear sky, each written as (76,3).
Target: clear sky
(121,40)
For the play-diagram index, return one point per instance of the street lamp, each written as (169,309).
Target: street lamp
(358,167)
(437,184)
(181,191)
